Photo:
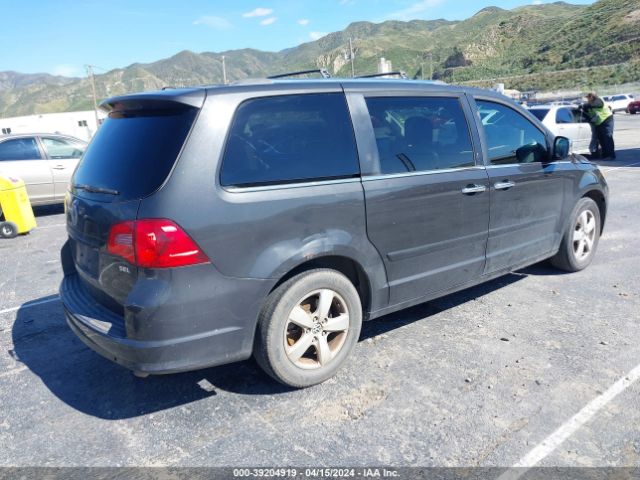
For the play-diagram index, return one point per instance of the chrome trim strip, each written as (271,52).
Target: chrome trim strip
(532,163)
(286,186)
(372,178)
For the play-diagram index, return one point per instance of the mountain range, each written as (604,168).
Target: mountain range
(556,45)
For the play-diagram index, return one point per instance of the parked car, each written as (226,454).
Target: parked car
(619,103)
(633,107)
(271,218)
(566,121)
(44,161)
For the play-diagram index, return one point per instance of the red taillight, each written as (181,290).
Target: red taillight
(120,241)
(154,243)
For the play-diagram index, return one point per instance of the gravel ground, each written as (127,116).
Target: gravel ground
(477,378)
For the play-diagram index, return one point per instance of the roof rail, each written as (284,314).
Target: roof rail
(321,71)
(400,73)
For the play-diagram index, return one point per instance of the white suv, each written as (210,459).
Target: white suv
(618,103)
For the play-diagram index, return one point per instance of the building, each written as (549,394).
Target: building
(384,66)
(77,124)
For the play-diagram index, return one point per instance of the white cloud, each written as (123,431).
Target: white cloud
(66,70)
(536,2)
(217,23)
(317,35)
(303,21)
(268,21)
(258,12)
(412,11)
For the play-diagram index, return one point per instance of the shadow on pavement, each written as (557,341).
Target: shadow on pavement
(543,269)
(629,157)
(95,386)
(46,210)
(424,310)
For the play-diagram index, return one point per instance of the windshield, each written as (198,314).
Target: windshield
(133,152)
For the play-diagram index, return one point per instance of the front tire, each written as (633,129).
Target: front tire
(308,327)
(580,240)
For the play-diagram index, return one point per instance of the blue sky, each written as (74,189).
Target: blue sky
(61,36)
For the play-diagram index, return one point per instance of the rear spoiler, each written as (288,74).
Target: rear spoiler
(193,97)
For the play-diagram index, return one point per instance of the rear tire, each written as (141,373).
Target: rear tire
(308,327)
(8,230)
(580,240)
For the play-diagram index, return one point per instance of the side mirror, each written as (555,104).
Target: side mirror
(561,148)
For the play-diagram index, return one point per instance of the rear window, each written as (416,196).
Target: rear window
(290,138)
(133,152)
(539,113)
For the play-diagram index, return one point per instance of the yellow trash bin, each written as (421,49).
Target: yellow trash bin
(15,207)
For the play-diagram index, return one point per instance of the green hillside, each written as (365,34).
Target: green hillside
(556,45)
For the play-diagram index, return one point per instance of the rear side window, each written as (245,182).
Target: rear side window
(20,149)
(420,133)
(539,113)
(290,138)
(563,115)
(133,152)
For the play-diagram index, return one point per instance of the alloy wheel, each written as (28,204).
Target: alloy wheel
(584,235)
(316,329)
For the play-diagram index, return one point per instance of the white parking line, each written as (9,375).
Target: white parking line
(553,441)
(51,226)
(621,166)
(27,305)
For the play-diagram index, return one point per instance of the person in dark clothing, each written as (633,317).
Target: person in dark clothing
(601,119)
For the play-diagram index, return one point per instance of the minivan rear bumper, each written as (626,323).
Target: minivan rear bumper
(226,340)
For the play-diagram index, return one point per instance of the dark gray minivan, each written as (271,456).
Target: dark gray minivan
(272,217)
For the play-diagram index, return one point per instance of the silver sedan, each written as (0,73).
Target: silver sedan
(44,161)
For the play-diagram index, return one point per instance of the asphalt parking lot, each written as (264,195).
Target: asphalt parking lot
(489,376)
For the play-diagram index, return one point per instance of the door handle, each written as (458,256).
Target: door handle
(59,167)
(504,185)
(473,188)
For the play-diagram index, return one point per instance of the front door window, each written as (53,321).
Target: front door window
(510,137)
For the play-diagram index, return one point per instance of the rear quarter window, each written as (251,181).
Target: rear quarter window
(290,138)
(539,113)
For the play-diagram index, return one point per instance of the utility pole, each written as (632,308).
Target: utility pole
(430,66)
(224,71)
(427,55)
(93,90)
(353,68)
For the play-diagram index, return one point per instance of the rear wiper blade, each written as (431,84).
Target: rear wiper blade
(92,189)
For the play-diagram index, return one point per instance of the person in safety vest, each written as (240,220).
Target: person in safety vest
(601,119)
